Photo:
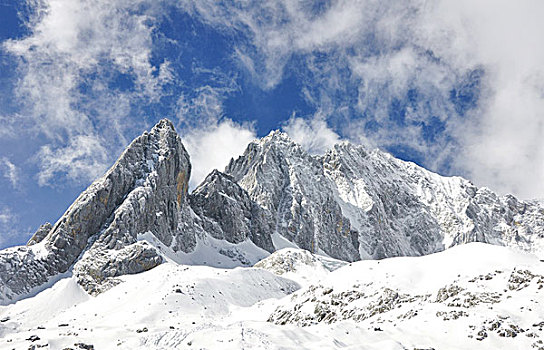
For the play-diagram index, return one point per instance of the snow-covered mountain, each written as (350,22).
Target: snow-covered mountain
(354,203)
(136,249)
(350,204)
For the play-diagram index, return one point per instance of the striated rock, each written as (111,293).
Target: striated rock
(156,204)
(228,213)
(399,208)
(354,203)
(351,203)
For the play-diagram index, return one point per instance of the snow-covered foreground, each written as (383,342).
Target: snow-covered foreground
(471,296)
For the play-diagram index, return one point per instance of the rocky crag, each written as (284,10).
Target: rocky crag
(352,203)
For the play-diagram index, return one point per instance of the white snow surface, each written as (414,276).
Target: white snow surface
(467,297)
(210,252)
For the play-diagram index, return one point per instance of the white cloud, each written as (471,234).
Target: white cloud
(82,160)
(7,129)
(74,45)
(212,146)
(504,146)
(313,135)
(11,171)
(5,216)
(360,57)
(380,50)
(207,105)
(7,226)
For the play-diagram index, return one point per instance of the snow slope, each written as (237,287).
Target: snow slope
(471,296)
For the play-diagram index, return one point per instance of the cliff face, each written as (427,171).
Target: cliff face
(288,182)
(351,203)
(354,203)
(227,212)
(145,190)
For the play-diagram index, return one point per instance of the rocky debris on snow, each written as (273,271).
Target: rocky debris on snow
(520,279)
(235,255)
(33,338)
(37,346)
(451,315)
(501,326)
(290,260)
(321,304)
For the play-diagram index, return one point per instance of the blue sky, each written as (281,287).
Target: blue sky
(456,87)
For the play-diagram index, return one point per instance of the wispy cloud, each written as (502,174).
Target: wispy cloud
(83,159)
(8,221)
(77,51)
(10,171)
(5,216)
(212,146)
(466,77)
(458,84)
(313,135)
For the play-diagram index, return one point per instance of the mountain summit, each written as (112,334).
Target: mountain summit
(351,203)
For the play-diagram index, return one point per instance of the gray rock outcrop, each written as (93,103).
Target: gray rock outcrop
(40,234)
(144,191)
(228,213)
(354,203)
(282,178)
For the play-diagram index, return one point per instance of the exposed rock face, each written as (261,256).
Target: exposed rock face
(97,271)
(156,203)
(399,208)
(145,190)
(290,183)
(229,213)
(351,203)
(40,234)
(354,203)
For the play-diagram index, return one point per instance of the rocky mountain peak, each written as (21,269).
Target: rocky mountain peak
(352,203)
(276,136)
(150,177)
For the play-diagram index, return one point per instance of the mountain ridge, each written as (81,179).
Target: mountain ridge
(350,204)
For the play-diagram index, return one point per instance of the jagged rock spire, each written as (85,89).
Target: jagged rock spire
(145,190)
